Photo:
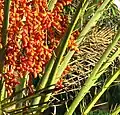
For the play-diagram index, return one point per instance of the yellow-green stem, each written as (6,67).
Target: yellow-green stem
(5,103)
(21,86)
(69,54)
(4,41)
(61,50)
(58,59)
(116,111)
(45,77)
(93,78)
(51,4)
(87,28)
(105,87)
